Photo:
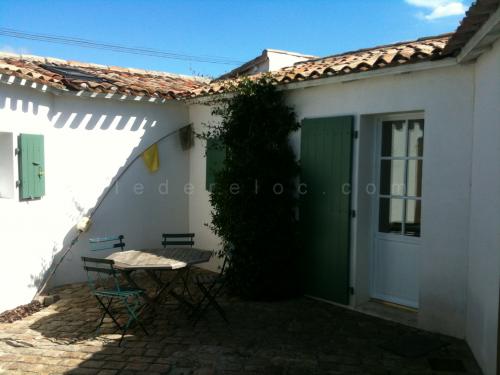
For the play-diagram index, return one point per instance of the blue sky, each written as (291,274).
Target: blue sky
(238,30)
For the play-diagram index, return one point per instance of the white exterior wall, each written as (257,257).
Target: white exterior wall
(445,95)
(87,141)
(484,243)
(278,60)
(199,205)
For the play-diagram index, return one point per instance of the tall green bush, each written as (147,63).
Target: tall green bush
(254,198)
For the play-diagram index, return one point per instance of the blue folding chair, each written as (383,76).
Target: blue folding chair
(104,284)
(106,243)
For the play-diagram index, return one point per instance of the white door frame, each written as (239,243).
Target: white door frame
(375,204)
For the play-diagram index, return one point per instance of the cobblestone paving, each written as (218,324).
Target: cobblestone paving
(299,336)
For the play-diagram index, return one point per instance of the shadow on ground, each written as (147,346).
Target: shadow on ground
(299,336)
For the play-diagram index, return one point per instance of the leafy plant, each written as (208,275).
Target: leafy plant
(254,197)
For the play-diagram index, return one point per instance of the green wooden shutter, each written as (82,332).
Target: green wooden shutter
(31,166)
(215,155)
(326,145)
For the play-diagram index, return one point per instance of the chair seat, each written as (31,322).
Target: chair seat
(124,292)
(207,278)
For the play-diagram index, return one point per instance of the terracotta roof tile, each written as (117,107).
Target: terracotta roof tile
(126,81)
(475,17)
(138,82)
(420,50)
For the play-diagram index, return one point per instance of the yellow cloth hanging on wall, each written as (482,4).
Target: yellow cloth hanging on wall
(151,159)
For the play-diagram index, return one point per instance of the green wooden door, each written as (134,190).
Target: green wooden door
(326,147)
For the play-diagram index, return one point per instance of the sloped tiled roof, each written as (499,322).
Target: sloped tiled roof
(111,79)
(136,82)
(475,17)
(397,54)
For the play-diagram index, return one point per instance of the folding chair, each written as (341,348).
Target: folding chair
(105,243)
(177,239)
(105,286)
(210,286)
(180,239)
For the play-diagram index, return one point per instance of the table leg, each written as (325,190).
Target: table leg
(163,287)
(130,280)
(180,297)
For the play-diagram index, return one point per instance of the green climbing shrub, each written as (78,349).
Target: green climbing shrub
(254,198)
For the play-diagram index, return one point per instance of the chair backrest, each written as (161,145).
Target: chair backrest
(227,255)
(106,243)
(101,273)
(177,239)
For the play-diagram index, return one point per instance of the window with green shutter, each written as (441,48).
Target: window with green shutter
(215,155)
(31,166)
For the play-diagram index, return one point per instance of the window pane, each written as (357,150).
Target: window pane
(412,222)
(416,138)
(393,138)
(414,182)
(390,215)
(392,177)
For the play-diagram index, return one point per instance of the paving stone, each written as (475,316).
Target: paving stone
(84,371)
(113,365)
(92,364)
(296,337)
(136,366)
(160,368)
(107,372)
(204,371)
(181,371)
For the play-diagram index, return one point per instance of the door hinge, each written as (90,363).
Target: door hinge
(355,134)
(353,213)
(351,290)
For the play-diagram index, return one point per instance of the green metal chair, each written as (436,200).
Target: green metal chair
(180,239)
(105,285)
(211,285)
(177,239)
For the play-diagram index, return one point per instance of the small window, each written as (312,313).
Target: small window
(7,189)
(400,186)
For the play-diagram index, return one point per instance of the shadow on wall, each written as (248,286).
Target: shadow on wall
(140,217)
(14,101)
(28,102)
(46,268)
(100,120)
(90,114)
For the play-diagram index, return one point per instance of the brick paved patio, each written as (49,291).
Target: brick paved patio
(299,336)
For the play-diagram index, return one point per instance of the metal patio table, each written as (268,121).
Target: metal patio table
(151,260)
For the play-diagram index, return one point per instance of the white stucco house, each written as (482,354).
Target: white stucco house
(411,130)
